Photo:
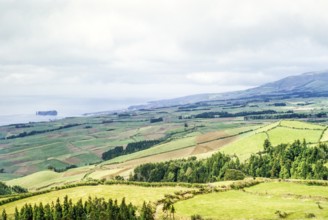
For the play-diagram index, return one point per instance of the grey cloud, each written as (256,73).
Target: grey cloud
(158,49)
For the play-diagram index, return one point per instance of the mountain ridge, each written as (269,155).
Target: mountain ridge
(309,84)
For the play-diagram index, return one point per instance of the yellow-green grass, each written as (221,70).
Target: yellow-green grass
(324,137)
(162,148)
(241,205)
(287,188)
(245,146)
(44,179)
(289,135)
(223,183)
(268,127)
(234,131)
(134,194)
(300,124)
(99,174)
(35,178)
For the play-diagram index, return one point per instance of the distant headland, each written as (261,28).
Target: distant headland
(47,113)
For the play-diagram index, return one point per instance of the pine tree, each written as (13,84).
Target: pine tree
(47,212)
(58,210)
(17,216)
(146,212)
(65,209)
(4,215)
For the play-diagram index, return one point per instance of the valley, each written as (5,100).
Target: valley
(54,158)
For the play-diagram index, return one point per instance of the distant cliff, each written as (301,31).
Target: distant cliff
(46,113)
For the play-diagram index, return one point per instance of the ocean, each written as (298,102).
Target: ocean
(23,109)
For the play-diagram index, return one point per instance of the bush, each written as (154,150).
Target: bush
(281,214)
(309,215)
(196,217)
(232,174)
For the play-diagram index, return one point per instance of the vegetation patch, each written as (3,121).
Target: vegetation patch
(296,160)
(130,148)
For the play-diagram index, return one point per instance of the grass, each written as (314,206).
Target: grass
(278,133)
(48,179)
(285,188)
(288,135)
(325,136)
(35,179)
(267,127)
(134,194)
(162,148)
(301,125)
(245,146)
(7,176)
(240,205)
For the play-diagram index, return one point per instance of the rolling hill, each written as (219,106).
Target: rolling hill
(311,84)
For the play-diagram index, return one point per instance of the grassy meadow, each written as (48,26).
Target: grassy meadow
(29,161)
(134,194)
(262,201)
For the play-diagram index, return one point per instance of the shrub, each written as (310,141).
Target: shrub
(232,174)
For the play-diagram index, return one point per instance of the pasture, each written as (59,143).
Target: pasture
(134,194)
(263,201)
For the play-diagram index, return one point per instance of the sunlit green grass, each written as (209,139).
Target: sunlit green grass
(245,146)
(285,188)
(134,194)
(301,125)
(241,205)
(162,148)
(288,135)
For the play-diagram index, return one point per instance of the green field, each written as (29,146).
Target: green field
(262,201)
(166,147)
(48,179)
(245,146)
(301,125)
(134,194)
(288,135)
(285,189)
(246,205)
(28,158)
(285,131)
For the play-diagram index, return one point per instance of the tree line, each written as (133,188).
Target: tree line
(295,160)
(287,115)
(60,170)
(29,133)
(8,190)
(93,208)
(130,148)
(223,114)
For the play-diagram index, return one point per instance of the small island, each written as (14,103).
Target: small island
(47,113)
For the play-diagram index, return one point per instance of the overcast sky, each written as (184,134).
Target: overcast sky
(150,49)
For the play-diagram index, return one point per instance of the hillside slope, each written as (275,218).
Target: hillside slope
(311,84)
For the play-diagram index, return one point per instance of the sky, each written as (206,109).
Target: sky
(95,55)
